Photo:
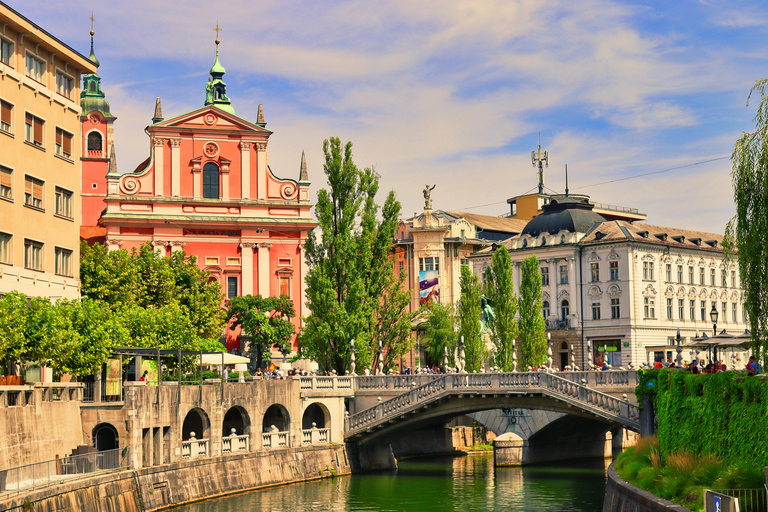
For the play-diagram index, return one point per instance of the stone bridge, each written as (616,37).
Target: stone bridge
(426,400)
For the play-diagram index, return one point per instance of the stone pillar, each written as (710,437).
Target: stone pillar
(225,178)
(197,182)
(573,302)
(246,257)
(114,244)
(177,246)
(245,169)
(303,272)
(158,145)
(175,167)
(97,386)
(264,269)
(554,278)
(261,170)
(608,451)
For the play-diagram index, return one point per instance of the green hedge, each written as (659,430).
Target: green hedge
(724,414)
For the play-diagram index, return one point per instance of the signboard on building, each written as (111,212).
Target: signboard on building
(211,232)
(429,287)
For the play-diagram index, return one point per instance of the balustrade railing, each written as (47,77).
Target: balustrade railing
(315,436)
(235,443)
(344,383)
(194,448)
(275,439)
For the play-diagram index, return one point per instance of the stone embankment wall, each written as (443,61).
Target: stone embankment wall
(160,487)
(621,496)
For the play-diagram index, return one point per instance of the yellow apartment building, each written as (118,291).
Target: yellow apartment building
(40,149)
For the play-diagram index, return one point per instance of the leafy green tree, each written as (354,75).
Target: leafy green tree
(469,308)
(501,294)
(747,232)
(13,328)
(392,322)
(440,333)
(143,278)
(533,334)
(349,266)
(266,320)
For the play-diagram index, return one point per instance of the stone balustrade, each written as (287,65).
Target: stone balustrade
(275,439)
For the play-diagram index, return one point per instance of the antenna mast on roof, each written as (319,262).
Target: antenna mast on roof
(566,180)
(542,159)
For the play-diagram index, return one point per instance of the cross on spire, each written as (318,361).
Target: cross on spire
(217,30)
(92,20)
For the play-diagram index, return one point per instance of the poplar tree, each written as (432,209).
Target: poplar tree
(439,331)
(468,310)
(348,256)
(501,293)
(747,232)
(533,335)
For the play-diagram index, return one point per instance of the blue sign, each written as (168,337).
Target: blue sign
(718,504)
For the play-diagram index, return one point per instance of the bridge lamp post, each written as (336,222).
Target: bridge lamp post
(713,316)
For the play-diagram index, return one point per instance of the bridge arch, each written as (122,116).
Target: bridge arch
(196,421)
(318,414)
(236,418)
(105,437)
(276,415)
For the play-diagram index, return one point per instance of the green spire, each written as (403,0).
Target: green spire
(92,98)
(215,88)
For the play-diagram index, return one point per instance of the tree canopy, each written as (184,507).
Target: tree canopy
(747,232)
(439,331)
(501,293)
(350,270)
(533,333)
(266,320)
(469,308)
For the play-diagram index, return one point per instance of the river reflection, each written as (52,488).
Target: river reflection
(442,484)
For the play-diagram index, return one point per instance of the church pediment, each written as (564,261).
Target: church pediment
(212,117)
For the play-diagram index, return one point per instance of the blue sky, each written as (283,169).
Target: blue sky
(455,93)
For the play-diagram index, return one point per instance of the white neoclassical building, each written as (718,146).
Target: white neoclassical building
(619,291)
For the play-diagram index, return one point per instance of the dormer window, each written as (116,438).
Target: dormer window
(661,236)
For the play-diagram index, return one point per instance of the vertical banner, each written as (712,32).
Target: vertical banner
(113,377)
(429,288)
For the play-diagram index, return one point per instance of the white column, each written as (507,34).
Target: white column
(261,170)
(225,178)
(245,169)
(554,277)
(158,144)
(196,178)
(516,277)
(264,269)
(114,244)
(572,287)
(175,167)
(246,261)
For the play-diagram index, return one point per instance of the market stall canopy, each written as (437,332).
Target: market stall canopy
(215,359)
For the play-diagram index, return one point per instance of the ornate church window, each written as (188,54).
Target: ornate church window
(94,141)
(211,181)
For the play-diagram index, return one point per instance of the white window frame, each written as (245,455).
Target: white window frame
(8,197)
(56,211)
(57,265)
(32,242)
(70,81)
(29,72)
(8,252)
(9,129)
(6,59)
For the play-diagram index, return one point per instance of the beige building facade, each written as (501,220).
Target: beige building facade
(39,159)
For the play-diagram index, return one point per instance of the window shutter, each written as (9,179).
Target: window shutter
(37,190)
(67,144)
(38,131)
(5,116)
(5,177)
(28,186)
(59,133)
(29,119)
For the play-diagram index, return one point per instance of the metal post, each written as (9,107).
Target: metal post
(159,376)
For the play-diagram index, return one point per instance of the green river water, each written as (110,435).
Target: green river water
(465,484)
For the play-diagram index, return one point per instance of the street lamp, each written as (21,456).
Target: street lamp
(713,316)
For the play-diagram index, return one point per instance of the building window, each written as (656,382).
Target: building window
(465,262)
(35,68)
(6,50)
(595,311)
(594,269)
(690,275)
(712,277)
(564,310)
(703,311)
(5,248)
(649,307)
(615,309)
(231,287)
(401,268)
(701,276)
(669,272)
(724,311)
(692,308)
(285,286)
(614,266)
(5,116)
(724,276)
(733,312)
(669,309)
(429,264)
(211,260)
(563,274)
(63,143)
(63,262)
(211,181)
(233,262)
(65,85)
(6,183)
(545,276)
(64,203)
(33,192)
(94,141)
(679,273)
(733,279)
(545,309)
(34,132)
(680,308)
(648,270)
(33,255)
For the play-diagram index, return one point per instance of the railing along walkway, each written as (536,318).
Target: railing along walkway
(550,384)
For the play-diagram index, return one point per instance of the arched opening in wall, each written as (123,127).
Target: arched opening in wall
(94,141)
(564,360)
(564,310)
(196,421)
(105,437)
(318,414)
(236,418)
(211,181)
(276,416)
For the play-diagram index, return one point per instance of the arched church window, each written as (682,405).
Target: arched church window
(211,180)
(94,141)
(564,310)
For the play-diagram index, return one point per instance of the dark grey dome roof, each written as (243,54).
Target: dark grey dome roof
(570,213)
